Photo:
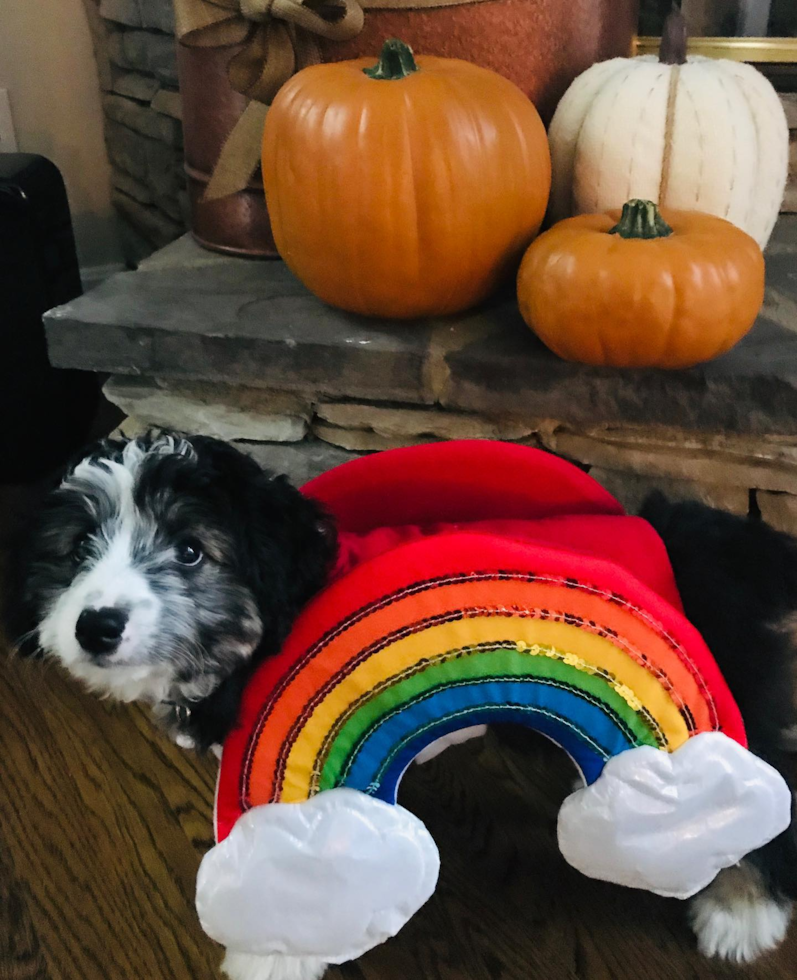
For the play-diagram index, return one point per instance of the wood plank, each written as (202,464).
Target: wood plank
(105,822)
(21,956)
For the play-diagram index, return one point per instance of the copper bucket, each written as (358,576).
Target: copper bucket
(541,45)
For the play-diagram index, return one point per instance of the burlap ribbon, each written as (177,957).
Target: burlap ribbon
(278,38)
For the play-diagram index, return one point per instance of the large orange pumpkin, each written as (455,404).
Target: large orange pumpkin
(403,189)
(641,288)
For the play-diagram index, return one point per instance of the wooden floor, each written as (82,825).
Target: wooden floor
(103,822)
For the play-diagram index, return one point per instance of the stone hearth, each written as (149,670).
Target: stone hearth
(240,350)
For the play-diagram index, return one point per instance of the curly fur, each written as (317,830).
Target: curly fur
(738,582)
(108,537)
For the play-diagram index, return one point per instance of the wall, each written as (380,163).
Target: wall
(47,64)
(136,57)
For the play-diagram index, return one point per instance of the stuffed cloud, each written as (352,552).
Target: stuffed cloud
(670,822)
(330,877)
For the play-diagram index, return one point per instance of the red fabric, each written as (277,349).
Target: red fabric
(415,514)
(629,541)
(456,482)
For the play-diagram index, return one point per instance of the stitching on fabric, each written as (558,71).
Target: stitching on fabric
(548,682)
(418,587)
(452,616)
(470,612)
(571,177)
(534,650)
(603,753)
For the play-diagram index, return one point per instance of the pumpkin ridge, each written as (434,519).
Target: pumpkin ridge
(590,84)
(773,203)
(616,96)
(734,142)
(669,128)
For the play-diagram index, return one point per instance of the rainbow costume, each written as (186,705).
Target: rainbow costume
(478,582)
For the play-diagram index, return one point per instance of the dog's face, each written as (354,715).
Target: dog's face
(161,565)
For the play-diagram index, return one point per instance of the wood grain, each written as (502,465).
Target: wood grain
(103,823)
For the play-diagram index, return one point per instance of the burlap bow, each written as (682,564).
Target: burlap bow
(278,38)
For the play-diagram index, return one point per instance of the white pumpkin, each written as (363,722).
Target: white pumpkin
(705,135)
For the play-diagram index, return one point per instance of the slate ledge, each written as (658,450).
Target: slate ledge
(240,350)
(189,314)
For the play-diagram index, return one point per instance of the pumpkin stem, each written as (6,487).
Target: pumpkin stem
(672,50)
(641,219)
(395,62)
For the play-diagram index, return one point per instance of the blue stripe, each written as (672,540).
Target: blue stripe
(588,732)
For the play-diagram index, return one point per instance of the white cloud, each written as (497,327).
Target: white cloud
(670,822)
(330,877)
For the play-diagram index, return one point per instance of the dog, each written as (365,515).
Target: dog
(738,582)
(165,569)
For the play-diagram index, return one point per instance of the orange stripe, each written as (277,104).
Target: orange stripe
(639,638)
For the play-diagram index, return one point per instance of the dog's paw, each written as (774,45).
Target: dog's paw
(736,919)
(244,966)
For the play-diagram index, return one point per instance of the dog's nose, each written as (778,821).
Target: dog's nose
(99,631)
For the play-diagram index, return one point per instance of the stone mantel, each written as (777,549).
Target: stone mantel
(190,314)
(239,349)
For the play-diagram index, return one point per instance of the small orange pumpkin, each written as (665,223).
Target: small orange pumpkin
(403,189)
(665,289)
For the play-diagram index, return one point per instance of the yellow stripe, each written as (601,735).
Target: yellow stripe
(637,682)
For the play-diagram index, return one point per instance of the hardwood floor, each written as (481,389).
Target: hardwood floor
(103,822)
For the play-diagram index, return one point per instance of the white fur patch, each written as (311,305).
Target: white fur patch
(736,919)
(111,580)
(244,966)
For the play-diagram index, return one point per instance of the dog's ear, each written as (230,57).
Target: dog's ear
(305,532)
(289,540)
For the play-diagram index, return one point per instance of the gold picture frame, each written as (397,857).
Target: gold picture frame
(759,50)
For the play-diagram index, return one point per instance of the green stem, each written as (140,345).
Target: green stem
(641,219)
(395,62)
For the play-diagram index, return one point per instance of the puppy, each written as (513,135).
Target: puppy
(738,582)
(164,570)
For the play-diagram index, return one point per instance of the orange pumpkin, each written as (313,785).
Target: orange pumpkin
(662,289)
(403,189)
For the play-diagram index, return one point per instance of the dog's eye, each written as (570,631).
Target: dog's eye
(81,550)
(188,552)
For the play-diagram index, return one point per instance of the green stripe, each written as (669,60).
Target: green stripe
(456,667)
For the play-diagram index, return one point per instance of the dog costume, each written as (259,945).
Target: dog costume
(477,582)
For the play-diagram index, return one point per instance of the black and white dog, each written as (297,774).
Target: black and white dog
(166,568)
(163,569)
